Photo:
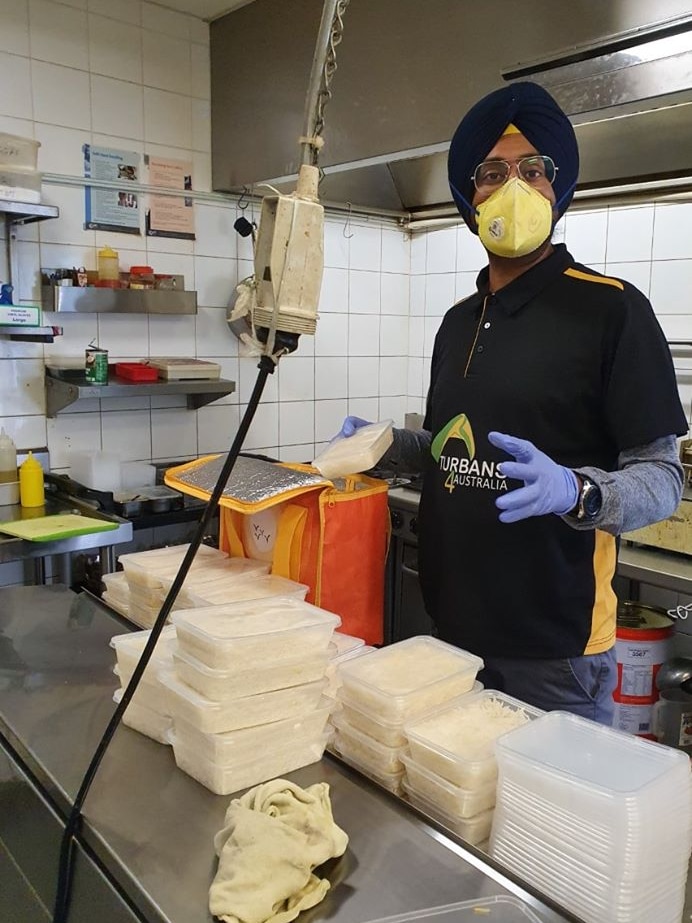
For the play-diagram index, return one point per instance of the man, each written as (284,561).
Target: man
(552,400)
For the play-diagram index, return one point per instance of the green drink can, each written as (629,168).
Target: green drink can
(96,365)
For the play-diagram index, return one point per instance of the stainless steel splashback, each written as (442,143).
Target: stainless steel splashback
(407,71)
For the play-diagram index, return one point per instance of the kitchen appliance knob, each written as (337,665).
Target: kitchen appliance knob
(413,526)
(397,520)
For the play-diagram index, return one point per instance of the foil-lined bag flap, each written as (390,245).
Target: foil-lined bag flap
(254,484)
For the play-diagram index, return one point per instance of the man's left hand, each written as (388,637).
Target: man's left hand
(548,487)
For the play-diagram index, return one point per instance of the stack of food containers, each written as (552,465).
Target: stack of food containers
(451,769)
(147,712)
(150,575)
(342,649)
(598,820)
(382,691)
(247,690)
(117,592)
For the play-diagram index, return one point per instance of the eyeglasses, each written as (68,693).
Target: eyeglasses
(534,170)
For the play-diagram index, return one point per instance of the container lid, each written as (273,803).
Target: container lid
(270,616)
(141,271)
(600,757)
(635,615)
(503,909)
(133,643)
(107,252)
(410,665)
(359,452)
(343,644)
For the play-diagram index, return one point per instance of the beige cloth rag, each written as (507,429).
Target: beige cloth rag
(272,839)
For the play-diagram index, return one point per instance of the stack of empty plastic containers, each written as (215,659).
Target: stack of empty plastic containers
(247,690)
(451,770)
(148,711)
(388,687)
(598,820)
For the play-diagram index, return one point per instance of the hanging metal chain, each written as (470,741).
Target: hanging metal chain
(325,93)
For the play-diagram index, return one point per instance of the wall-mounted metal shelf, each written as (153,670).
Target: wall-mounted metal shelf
(30,334)
(93,300)
(19,213)
(61,392)
(26,212)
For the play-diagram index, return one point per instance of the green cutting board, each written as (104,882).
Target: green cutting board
(53,528)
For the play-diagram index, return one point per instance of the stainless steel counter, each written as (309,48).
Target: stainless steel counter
(150,827)
(17,549)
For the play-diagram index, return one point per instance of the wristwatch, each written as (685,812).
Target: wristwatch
(589,502)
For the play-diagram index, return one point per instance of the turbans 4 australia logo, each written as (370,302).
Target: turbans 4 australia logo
(454,450)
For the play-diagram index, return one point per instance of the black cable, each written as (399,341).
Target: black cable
(67,844)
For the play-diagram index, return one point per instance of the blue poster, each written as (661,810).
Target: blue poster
(117,208)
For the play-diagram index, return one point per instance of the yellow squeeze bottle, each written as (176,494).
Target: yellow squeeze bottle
(31,491)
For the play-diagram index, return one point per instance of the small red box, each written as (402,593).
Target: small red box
(136,371)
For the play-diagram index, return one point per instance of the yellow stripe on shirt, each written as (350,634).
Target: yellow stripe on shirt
(587,277)
(604,612)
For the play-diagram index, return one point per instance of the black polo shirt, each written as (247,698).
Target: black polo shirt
(577,363)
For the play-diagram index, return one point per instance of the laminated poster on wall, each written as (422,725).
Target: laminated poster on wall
(111,209)
(170,216)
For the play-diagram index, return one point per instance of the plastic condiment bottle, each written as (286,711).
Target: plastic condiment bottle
(8,458)
(108,265)
(31,492)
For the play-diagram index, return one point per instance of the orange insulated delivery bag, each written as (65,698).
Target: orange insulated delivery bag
(331,536)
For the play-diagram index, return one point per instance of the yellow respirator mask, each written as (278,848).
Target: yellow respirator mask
(514,220)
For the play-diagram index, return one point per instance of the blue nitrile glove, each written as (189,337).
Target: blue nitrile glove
(548,487)
(350,425)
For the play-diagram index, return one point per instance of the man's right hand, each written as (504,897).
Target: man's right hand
(350,426)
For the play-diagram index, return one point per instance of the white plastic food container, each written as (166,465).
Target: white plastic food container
(358,452)
(233,714)
(235,747)
(450,799)
(150,694)
(391,781)
(256,633)
(242,681)
(474,829)
(458,742)
(245,587)
(337,660)
(408,678)
(366,750)
(145,720)
(18,153)
(128,649)
(262,766)
(389,733)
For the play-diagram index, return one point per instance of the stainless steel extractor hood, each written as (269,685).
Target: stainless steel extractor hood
(408,70)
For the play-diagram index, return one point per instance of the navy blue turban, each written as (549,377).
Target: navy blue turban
(537,116)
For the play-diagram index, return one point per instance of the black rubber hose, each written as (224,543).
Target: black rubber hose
(67,843)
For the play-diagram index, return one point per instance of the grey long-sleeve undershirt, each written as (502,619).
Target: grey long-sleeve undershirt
(646,487)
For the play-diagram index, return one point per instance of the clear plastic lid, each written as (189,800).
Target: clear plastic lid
(409,677)
(273,615)
(359,452)
(342,644)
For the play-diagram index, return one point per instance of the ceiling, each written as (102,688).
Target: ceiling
(203,9)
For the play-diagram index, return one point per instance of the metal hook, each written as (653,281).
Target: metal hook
(242,205)
(348,223)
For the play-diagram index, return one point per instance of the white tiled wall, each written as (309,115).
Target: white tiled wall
(649,246)
(130,74)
